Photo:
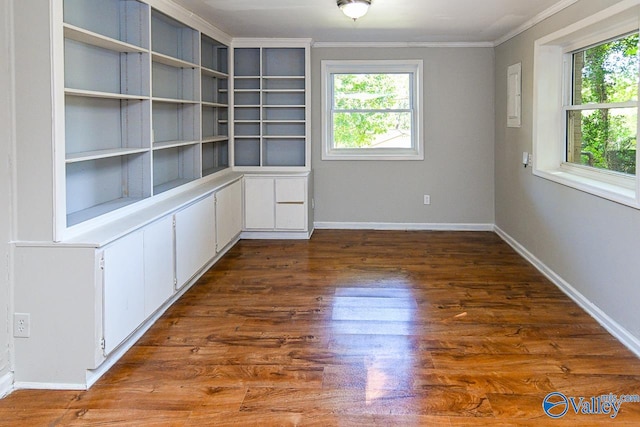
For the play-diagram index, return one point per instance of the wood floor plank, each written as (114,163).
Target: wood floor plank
(37,400)
(356,328)
(284,419)
(31,417)
(440,401)
(495,382)
(124,418)
(158,396)
(176,372)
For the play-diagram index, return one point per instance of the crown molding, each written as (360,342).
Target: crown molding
(270,42)
(511,34)
(209,29)
(535,20)
(191,19)
(401,44)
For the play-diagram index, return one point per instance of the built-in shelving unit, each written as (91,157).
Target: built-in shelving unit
(176,96)
(127,109)
(146,105)
(271,106)
(107,106)
(215,105)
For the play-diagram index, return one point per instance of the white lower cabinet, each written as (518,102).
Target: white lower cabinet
(291,206)
(275,203)
(88,296)
(195,234)
(228,214)
(124,290)
(259,203)
(159,264)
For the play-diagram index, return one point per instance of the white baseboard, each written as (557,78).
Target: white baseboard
(6,384)
(28,385)
(614,328)
(276,235)
(398,226)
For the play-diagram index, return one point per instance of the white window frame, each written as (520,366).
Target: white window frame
(412,67)
(552,94)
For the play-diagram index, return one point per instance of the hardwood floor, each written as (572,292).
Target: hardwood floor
(357,328)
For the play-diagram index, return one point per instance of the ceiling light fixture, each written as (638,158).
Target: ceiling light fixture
(354,9)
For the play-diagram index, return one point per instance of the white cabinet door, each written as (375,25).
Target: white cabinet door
(290,190)
(195,238)
(159,270)
(228,214)
(291,209)
(123,289)
(259,204)
(291,216)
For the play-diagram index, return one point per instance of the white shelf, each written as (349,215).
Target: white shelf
(161,188)
(94,39)
(171,144)
(210,171)
(213,73)
(103,95)
(174,101)
(214,104)
(284,90)
(209,139)
(284,77)
(246,90)
(281,121)
(103,154)
(247,136)
(247,106)
(101,209)
(283,136)
(247,77)
(171,61)
(283,106)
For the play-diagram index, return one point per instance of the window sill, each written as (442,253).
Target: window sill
(605,190)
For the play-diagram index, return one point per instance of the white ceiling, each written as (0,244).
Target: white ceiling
(412,21)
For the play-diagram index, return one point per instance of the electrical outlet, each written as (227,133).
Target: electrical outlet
(21,325)
(427,199)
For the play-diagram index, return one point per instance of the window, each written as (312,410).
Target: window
(602,115)
(585,105)
(371,110)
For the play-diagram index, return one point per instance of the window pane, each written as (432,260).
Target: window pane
(371,91)
(372,130)
(606,73)
(603,138)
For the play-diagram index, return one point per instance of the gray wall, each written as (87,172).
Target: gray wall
(34,120)
(5,182)
(459,142)
(592,243)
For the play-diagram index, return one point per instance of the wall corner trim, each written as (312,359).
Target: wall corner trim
(614,328)
(6,384)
